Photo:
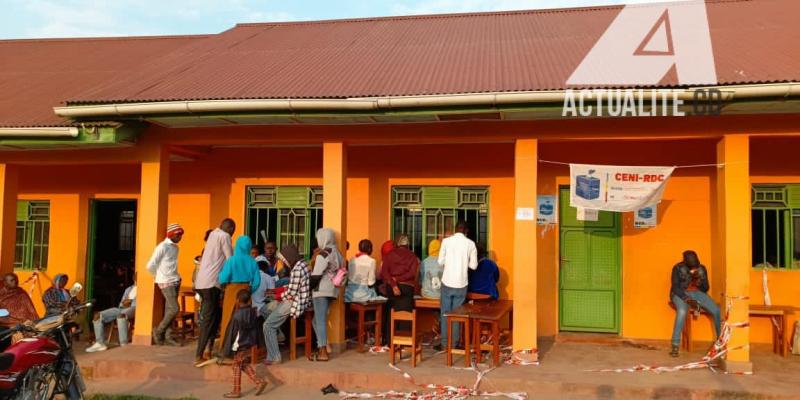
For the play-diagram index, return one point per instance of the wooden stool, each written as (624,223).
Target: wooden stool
(451,321)
(294,340)
(397,341)
(494,346)
(361,309)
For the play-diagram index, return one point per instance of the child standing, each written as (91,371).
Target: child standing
(244,333)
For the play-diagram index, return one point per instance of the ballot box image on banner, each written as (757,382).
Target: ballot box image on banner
(587,186)
(617,188)
(547,207)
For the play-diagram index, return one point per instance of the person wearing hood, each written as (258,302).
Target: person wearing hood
(239,272)
(57,297)
(294,301)
(430,273)
(16,300)
(326,263)
(163,265)
(689,290)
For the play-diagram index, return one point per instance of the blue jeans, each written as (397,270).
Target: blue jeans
(272,324)
(320,321)
(122,315)
(682,308)
(451,298)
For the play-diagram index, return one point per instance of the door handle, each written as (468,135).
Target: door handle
(564,260)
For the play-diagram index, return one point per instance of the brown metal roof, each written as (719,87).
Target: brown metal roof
(754,41)
(36,75)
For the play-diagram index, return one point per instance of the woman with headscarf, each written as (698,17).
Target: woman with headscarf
(430,274)
(326,263)
(56,298)
(239,272)
(16,300)
(399,273)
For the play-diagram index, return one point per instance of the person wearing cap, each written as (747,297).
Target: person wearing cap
(689,290)
(163,265)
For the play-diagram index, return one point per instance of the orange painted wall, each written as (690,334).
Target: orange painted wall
(205,191)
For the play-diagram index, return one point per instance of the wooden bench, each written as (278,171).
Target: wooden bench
(778,317)
(361,309)
(489,313)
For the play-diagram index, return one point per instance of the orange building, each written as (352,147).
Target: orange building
(375,127)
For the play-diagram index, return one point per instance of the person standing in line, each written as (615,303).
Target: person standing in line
(239,272)
(163,265)
(327,262)
(483,280)
(458,255)
(218,249)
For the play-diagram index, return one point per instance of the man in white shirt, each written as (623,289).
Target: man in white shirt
(458,253)
(164,266)
(122,314)
(218,249)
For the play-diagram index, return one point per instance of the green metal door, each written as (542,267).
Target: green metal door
(589,271)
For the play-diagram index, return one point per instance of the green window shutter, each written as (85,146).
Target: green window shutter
(292,196)
(793,196)
(439,197)
(22,210)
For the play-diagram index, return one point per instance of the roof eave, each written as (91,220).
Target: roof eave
(51,131)
(729,93)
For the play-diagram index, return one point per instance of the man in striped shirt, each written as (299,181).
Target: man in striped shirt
(163,265)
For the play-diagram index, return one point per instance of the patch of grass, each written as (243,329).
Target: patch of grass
(131,397)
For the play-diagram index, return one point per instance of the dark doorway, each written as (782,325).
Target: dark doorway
(112,235)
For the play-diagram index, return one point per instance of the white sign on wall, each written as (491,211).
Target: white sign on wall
(548,209)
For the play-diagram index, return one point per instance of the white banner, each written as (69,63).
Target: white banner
(616,188)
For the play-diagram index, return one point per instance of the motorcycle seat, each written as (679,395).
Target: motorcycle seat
(6,361)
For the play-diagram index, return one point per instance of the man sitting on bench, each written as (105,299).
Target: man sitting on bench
(689,291)
(122,314)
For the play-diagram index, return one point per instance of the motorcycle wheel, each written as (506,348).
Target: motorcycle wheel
(38,384)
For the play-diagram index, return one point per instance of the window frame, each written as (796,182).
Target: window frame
(409,201)
(32,221)
(784,201)
(268,197)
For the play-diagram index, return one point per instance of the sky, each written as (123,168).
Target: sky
(21,19)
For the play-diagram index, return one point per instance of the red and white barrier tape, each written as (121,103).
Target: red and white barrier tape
(717,351)
(434,391)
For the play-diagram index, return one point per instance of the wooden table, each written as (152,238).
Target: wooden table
(460,315)
(361,309)
(777,314)
(490,313)
(432,304)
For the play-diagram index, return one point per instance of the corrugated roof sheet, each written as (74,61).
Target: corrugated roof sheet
(36,75)
(754,41)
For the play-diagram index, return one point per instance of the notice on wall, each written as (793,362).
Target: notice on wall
(646,217)
(548,209)
(525,214)
(616,188)
(587,214)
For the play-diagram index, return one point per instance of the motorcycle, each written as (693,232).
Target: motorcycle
(42,364)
